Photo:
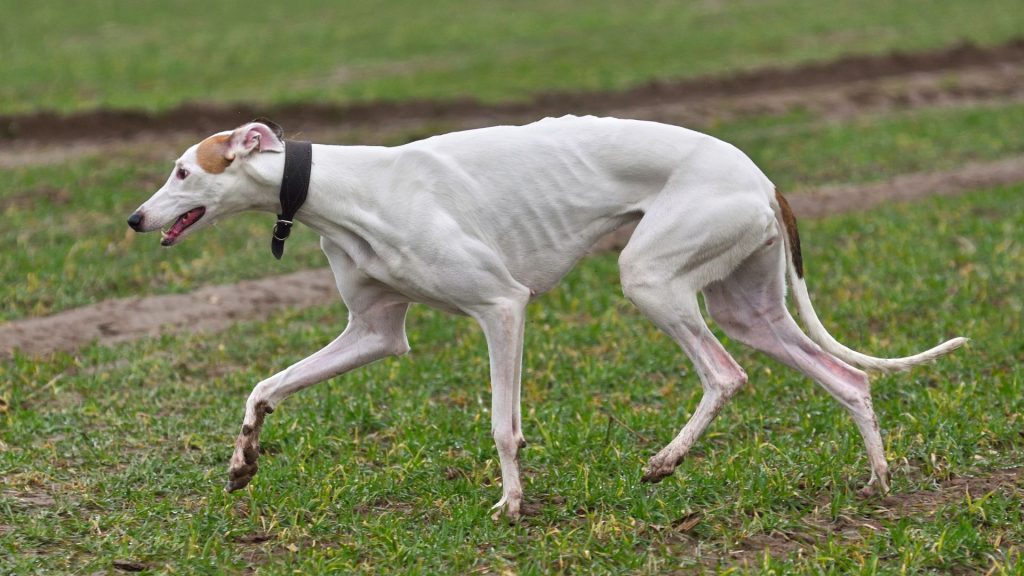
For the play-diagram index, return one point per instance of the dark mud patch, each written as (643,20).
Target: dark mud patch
(254,538)
(130,565)
(383,506)
(107,124)
(31,500)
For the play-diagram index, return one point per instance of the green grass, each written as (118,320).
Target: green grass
(71,217)
(93,53)
(120,453)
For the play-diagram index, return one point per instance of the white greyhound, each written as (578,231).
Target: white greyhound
(482,221)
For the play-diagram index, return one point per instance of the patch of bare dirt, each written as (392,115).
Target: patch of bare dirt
(129,565)
(217,307)
(255,538)
(893,507)
(908,187)
(31,499)
(207,309)
(818,525)
(997,83)
(101,125)
(383,505)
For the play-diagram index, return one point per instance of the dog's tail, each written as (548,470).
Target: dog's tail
(817,332)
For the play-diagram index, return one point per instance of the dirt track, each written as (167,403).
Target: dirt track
(217,307)
(101,125)
(963,76)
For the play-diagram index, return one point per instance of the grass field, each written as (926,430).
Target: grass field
(119,453)
(113,458)
(101,53)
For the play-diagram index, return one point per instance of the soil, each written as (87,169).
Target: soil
(207,309)
(892,507)
(216,307)
(107,124)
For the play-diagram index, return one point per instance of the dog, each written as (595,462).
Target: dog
(480,222)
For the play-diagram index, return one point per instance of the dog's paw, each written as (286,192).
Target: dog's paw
(657,469)
(247,450)
(509,507)
(244,466)
(878,485)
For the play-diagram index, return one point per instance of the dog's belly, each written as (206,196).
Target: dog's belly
(539,254)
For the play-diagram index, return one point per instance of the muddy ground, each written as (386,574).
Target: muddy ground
(957,76)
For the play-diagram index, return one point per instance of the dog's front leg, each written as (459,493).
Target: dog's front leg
(503,324)
(370,336)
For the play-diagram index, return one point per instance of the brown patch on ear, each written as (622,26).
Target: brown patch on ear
(789,221)
(212,154)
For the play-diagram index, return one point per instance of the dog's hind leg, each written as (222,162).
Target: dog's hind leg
(670,257)
(749,306)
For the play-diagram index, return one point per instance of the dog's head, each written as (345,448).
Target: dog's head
(226,173)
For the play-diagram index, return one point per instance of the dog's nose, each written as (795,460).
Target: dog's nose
(135,221)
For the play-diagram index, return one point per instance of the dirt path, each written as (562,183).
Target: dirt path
(986,84)
(956,74)
(217,307)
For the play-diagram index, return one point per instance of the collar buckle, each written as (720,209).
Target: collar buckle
(282,229)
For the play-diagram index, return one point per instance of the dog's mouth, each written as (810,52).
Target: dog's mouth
(184,222)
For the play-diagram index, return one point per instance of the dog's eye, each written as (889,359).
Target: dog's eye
(182,173)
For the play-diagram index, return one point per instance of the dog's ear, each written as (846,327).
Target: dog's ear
(253,137)
(274,127)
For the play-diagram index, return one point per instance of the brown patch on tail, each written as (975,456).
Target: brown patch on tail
(212,154)
(789,222)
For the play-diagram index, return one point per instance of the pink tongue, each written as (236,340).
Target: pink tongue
(185,221)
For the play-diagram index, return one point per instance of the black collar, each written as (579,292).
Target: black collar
(298,161)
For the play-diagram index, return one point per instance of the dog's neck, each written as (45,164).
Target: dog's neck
(340,176)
